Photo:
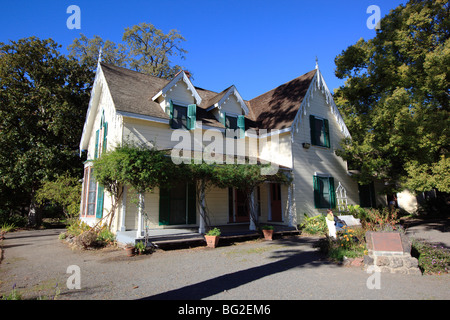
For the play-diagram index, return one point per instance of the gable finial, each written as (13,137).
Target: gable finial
(317,63)
(99,55)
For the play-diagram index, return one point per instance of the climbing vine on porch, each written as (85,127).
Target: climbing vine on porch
(144,168)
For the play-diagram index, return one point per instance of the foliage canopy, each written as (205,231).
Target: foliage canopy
(396,99)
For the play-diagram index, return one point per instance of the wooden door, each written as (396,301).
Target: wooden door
(241,205)
(275,202)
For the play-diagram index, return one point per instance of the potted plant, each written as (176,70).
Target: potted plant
(212,237)
(267,232)
(140,247)
(129,249)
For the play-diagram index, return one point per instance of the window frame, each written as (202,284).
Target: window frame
(318,192)
(89,190)
(325,131)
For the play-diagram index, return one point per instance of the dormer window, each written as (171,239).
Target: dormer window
(182,117)
(233,122)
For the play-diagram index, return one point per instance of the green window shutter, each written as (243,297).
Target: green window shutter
(332,193)
(316,192)
(105,133)
(171,113)
(100,196)
(191,205)
(326,133)
(192,112)
(312,129)
(164,206)
(96,144)
(241,126)
(223,119)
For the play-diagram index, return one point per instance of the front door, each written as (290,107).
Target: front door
(275,202)
(238,206)
(242,212)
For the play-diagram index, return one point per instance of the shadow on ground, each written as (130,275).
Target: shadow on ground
(285,260)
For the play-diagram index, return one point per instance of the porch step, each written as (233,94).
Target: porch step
(225,239)
(179,238)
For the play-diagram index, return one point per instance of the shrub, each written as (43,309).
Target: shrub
(349,242)
(357,211)
(87,239)
(433,259)
(385,219)
(315,225)
(214,232)
(6,227)
(106,236)
(76,227)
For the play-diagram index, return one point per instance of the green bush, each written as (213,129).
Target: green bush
(77,227)
(357,211)
(350,243)
(106,236)
(315,225)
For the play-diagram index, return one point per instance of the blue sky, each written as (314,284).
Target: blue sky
(255,45)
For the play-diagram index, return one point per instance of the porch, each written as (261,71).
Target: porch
(185,236)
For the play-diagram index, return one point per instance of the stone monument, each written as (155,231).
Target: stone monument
(390,252)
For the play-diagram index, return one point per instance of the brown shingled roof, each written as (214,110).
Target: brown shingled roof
(132,92)
(277,108)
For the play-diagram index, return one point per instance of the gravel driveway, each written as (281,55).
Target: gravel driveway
(289,268)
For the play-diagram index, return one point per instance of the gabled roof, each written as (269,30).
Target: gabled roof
(131,91)
(134,93)
(179,76)
(219,99)
(277,108)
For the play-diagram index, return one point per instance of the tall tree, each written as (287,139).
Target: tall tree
(87,51)
(151,49)
(145,49)
(396,99)
(44,98)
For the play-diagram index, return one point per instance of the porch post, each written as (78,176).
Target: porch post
(140,214)
(201,228)
(253,213)
(124,208)
(290,208)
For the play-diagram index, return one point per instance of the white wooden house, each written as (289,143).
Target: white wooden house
(295,126)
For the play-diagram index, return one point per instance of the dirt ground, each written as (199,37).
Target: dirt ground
(36,262)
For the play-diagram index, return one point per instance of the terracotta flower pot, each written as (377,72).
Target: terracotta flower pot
(129,251)
(268,234)
(212,241)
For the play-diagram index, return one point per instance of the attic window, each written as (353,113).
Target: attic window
(182,116)
(234,124)
(179,119)
(320,132)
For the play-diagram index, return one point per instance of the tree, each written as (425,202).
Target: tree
(151,49)
(87,51)
(396,99)
(140,166)
(145,49)
(65,191)
(44,98)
